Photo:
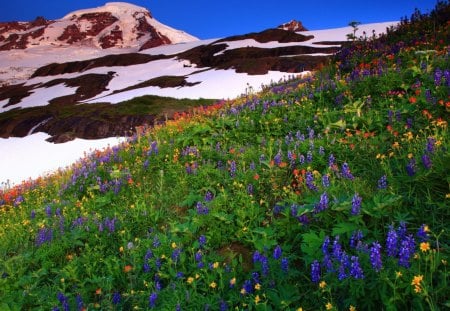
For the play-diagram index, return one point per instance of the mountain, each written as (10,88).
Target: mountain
(75,77)
(116,24)
(293,25)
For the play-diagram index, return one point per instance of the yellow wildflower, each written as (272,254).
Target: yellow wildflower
(417,279)
(352,308)
(257,286)
(190,280)
(300,309)
(410,155)
(174,245)
(398,274)
(216,265)
(232,281)
(243,291)
(329,306)
(322,284)
(257,299)
(213,284)
(424,246)
(396,145)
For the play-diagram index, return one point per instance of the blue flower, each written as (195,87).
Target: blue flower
(375,256)
(152,300)
(284,264)
(356,204)
(277,252)
(382,182)
(345,170)
(315,272)
(392,242)
(355,268)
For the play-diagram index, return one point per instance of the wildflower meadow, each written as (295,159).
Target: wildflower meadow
(326,192)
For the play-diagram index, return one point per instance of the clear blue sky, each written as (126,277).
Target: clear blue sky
(212,19)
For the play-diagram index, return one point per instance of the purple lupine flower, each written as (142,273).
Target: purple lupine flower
(156,242)
(250,189)
(345,170)
(264,265)
(248,286)
(152,300)
(202,209)
(285,264)
(326,180)
(79,302)
(198,256)
(233,168)
(315,272)
(337,248)
(33,214)
(311,133)
(223,305)
(154,147)
(180,275)
(110,224)
(344,265)
(277,252)
(401,230)
(411,167)
(323,203)
(309,156)
(321,150)
(355,268)
(325,245)
(202,241)
(44,235)
(382,182)
(430,144)
(327,263)
(422,233)
(48,211)
(291,157)
(356,238)
(146,267)
(116,298)
(294,210)
(375,256)
(63,300)
(300,137)
(356,204)
(255,277)
(252,166)
(176,254)
(426,161)
(392,242)
(256,257)
(277,209)
(309,180)
(209,196)
(331,160)
(438,76)
(406,251)
(301,159)
(277,159)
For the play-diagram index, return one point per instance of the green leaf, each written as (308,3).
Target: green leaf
(345,227)
(311,243)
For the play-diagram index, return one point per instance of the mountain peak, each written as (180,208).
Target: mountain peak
(115,24)
(293,25)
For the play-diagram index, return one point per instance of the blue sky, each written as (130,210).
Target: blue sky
(212,19)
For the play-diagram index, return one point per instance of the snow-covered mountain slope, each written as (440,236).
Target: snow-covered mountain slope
(216,68)
(116,24)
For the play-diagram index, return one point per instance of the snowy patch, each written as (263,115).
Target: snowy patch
(41,97)
(32,156)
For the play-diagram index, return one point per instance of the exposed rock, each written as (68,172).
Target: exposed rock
(293,25)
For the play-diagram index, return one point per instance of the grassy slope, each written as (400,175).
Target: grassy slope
(230,206)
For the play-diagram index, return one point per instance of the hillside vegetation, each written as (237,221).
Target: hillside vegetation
(329,192)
